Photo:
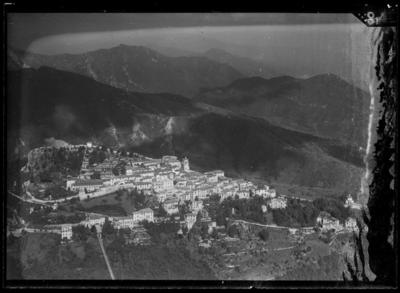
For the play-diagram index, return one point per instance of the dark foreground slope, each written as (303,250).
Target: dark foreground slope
(48,103)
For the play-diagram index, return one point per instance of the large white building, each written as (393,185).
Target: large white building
(351,224)
(130,222)
(170,205)
(171,161)
(278,203)
(196,205)
(243,194)
(152,164)
(66,232)
(262,191)
(190,220)
(162,183)
(146,214)
(89,185)
(123,222)
(270,193)
(93,220)
(349,203)
(326,222)
(143,186)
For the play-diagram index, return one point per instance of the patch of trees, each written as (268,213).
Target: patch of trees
(264,234)
(183,209)
(52,163)
(57,192)
(213,205)
(96,175)
(119,169)
(169,262)
(158,232)
(199,229)
(233,231)
(97,156)
(39,217)
(107,229)
(161,211)
(326,268)
(70,161)
(74,218)
(81,233)
(245,209)
(333,206)
(74,200)
(138,198)
(296,214)
(116,248)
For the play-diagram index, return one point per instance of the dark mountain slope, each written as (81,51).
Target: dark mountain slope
(323,105)
(50,103)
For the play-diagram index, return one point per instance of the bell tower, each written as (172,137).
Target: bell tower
(185,164)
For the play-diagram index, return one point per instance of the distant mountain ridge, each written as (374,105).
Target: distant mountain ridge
(324,105)
(138,68)
(247,66)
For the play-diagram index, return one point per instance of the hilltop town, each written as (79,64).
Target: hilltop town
(166,190)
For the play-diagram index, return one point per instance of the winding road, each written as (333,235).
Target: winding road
(270,226)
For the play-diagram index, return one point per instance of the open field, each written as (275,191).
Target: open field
(305,192)
(111,204)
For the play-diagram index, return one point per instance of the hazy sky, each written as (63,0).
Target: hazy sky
(24,28)
(294,44)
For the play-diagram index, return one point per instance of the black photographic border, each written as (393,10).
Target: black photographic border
(356,7)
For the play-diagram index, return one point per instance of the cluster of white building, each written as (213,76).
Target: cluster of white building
(328,223)
(174,184)
(349,203)
(129,222)
(170,179)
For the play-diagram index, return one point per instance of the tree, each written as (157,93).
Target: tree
(161,211)
(233,231)
(96,175)
(108,229)
(80,232)
(214,234)
(93,230)
(140,198)
(264,234)
(215,197)
(115,171)
(204,230)
(74,200)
